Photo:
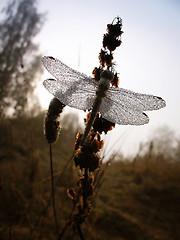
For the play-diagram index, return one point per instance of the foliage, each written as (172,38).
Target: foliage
(19,58)
(163,141)
(138,198)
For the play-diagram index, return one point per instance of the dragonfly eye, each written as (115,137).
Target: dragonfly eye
(107,74)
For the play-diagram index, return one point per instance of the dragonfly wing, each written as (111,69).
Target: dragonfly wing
(71,87)
(77,95)
(62,72)
(121,113)
(137,101)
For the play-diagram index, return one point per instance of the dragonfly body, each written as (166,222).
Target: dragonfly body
(103,86)
(117,105)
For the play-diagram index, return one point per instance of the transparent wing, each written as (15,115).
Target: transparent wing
(124,107)
(138,101)
(71,87)
(77,90)
(62,72)
(77,95)
(121,113)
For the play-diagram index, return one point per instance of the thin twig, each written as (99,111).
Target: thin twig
(68,223)
(53,190)
(85,189)
(43,212)
(80,232)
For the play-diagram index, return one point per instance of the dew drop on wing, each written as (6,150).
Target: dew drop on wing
(137,101)
(122,113)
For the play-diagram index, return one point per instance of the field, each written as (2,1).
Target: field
(137,199)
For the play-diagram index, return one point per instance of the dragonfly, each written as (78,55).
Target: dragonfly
(79,91)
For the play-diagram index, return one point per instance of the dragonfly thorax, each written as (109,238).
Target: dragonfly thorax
(105,80)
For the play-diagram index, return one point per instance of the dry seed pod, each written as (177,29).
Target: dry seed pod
(51,123)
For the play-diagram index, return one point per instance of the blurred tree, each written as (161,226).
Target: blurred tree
(177,153)
(164,142)
(19,58)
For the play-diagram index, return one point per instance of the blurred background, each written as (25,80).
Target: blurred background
(142,183)
(147,60)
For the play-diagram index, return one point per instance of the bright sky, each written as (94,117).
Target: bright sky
(148,59)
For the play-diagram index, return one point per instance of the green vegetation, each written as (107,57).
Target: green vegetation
(138,198)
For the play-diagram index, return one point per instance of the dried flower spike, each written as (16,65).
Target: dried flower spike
(51,123)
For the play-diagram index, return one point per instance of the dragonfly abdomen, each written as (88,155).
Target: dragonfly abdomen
(104,84)
(95,109)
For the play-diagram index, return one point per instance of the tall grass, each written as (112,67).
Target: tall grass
(137,198)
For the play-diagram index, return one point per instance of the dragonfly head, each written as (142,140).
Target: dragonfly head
(107,75)
(105,80)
